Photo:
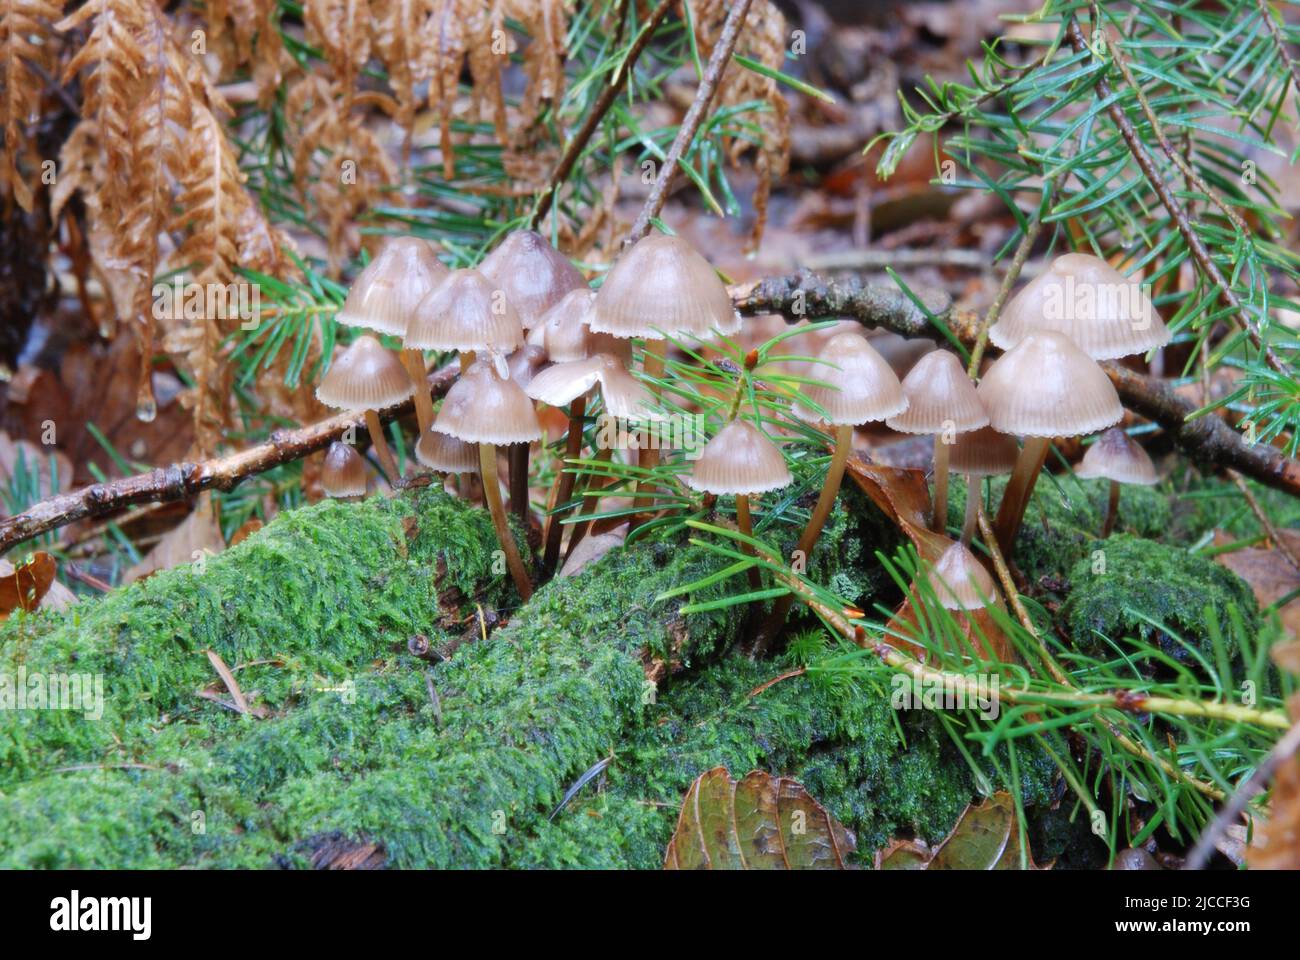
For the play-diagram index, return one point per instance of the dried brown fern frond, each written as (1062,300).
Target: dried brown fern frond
(341,28)
(339,164)
(402,42)
(473,31)
(763,38)
(246,34)
(547,25)
(27,39)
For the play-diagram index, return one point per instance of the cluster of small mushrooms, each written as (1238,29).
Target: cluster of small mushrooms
(527,328)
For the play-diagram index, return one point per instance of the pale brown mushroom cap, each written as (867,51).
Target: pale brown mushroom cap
(624,395)
(1117,456)
(533,274)
(445,453)
(1106,314)
(661,287)
(960,581)
(740,460)
(344,473)
(481,407)
(983,453)
(466,311)
(1045,386)
(365,377)
(385,293)
(860,385)
(567,335)
(940,397)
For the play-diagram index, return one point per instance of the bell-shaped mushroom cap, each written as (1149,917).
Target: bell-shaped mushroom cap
(1117,456)
(532,273)
(983,453)
(940,397)
(566,335)
(739,460)
(344,473)
(960,581)
(625,396)
(465,312)
(445,453)
(1045,386)
(365,377)
(1106,314)
(385,293)
(661,287)
(860,386)
(481,407)
(525,363)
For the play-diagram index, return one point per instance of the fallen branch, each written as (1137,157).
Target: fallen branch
(183,480)
(1207,439)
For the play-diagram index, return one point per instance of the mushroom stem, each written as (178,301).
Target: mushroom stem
(1019,488)
(648,457)
(747,528)
(589,505)
(808,539)
(1112,510)
(940,521)
(487,458)
(973,495)
(380,445)
(518,459)
(564,485)
(413,360)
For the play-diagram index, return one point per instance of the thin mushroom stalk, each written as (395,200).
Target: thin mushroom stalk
(413,360)
(656,352)
(974,493)
(582,527)
(382,451)
(1112,510)
(940,521)
(564,484)
(492,493)
(746,525)
(1019,489)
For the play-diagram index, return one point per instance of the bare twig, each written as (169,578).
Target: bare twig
(608,94)
(1204,260)
(718,61)
(1275,30)
(183,480)
(1257,509)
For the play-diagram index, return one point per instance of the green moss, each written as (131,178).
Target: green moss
(1064,518)
(353,746)
(1135,588)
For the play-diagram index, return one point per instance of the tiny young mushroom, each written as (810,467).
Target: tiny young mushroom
(1043,387)
(855,385)
(367,378)
(941,400)
(385,294)
(978,454)
(662,288)
(343,476)
(962,585)
(485,409)
(1104,313)
(443,453)
(740,461)
(1115,456)
(533,277)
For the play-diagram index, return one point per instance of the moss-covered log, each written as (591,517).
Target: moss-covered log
(313,614)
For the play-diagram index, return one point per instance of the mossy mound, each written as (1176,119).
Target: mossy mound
(352,743)
(1133,588)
